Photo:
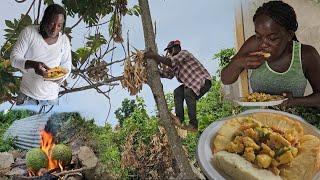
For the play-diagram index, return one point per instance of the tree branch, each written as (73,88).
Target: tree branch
(106,82)
(98,24)
(70,171)
(75,71)
(38,15)
(96,88)
(76,23)
(20,1)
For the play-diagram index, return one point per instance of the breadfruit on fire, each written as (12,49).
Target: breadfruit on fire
(62,153)
(36,159)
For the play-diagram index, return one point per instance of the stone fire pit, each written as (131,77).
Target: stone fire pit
(26,134)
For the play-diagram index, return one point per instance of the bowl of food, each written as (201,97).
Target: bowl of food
(56,73)
(260,99)
(260,144)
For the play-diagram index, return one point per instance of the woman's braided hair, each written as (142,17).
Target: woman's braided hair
(280,12)
(48,16)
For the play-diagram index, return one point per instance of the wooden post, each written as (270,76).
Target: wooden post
(243,82)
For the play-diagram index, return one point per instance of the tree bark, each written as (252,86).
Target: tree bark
(157,90)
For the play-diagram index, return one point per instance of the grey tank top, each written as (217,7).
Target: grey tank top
(264,79)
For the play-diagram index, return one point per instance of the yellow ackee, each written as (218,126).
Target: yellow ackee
(261,97)
(55,72)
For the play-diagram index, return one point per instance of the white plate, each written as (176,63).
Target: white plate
(204,153)
(57,78)
(267,103)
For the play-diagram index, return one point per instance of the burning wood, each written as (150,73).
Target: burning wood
(46,145)
(53,161)
(48,157)
(84,162)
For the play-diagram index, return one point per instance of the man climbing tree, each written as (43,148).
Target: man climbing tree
(195,79)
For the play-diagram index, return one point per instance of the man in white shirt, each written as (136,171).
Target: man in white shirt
(37,49)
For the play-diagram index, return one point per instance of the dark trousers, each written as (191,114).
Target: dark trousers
(182,93)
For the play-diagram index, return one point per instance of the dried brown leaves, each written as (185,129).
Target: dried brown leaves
(98,71)
(151,161)
(134,75)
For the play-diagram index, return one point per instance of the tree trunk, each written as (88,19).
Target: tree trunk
(157,90)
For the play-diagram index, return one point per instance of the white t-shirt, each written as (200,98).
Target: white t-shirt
(31,46)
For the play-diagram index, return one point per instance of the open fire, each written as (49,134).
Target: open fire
(46,145)
(55,157)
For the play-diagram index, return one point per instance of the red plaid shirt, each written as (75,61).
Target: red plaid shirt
(188,70)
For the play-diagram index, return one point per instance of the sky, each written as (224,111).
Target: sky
(204,27)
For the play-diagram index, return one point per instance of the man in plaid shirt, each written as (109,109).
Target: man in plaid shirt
(195,79)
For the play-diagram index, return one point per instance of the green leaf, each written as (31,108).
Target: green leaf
(137,8)
(136,12)
(25,20)
(67,30)
(96,41)
(111,24)
(48,2)
(129,12)
(82,54)
(224,57)
(9,30)
(9,24)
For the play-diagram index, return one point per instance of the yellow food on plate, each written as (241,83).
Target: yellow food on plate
(307,162)
(261,97)
(56,72)
(268,141)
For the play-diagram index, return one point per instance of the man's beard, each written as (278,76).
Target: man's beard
(51,34)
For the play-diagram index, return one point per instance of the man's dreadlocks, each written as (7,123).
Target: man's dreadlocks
(49,15)
(281,13)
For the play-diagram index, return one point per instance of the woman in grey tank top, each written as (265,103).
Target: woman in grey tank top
(290,63)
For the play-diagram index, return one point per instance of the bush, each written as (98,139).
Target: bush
(213,107)
(108,150)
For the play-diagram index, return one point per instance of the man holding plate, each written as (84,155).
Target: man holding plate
(38,50)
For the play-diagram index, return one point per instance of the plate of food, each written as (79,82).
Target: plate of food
(56,73)
(260,144)
(260,99)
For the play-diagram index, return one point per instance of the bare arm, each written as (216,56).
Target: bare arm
(311,67)
(158,58)
(241,61)
(165,69)
(39,67)
(231,72)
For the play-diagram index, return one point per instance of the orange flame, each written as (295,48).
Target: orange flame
(46,145)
